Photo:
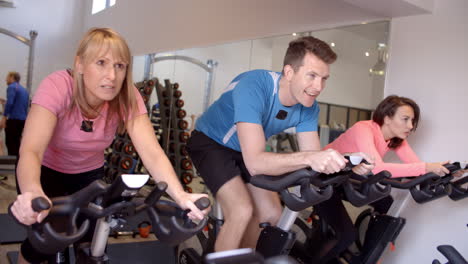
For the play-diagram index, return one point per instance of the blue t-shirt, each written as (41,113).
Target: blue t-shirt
(17,102)
(252,97)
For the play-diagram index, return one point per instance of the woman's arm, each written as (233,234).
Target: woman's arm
(407,155)
(156,162)
(363,138)
(37,133)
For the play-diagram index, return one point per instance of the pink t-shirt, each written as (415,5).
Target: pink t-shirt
(367,137)
(70,149)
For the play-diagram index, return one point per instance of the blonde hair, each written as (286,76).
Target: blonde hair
(95,41)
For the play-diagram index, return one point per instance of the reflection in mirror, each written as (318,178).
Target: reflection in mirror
(352,90)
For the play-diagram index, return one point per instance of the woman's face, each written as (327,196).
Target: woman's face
(103,78)
(401,124)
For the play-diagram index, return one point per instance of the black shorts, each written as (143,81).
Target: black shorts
(55,184)
(215,163)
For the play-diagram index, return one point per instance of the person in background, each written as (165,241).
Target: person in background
(15,112)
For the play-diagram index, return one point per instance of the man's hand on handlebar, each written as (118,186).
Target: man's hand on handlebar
(23,211)
(187,201)
(437,168)
(328,161)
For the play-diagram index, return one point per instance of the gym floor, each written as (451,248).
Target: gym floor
(7,196)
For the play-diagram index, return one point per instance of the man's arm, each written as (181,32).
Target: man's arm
(11,93)
(258,161)
(308,141)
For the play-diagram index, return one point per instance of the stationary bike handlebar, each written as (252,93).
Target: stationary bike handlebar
(362,190)
(452,255)
(427,187)
(100,200)
(315,187)
(458,191)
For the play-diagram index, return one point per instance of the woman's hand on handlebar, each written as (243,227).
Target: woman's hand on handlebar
(363,168)
(23,211)
(187,201)
(437,168)
(459,173)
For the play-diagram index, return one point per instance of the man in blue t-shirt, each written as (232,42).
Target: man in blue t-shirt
(16,110)
(228,143)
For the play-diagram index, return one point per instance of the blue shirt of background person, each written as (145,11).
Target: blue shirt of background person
(17,102)
(253,97)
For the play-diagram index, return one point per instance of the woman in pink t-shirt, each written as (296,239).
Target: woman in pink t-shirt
(73,118)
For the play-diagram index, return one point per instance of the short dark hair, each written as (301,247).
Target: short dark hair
(388,107)
(298,48)
(16,76)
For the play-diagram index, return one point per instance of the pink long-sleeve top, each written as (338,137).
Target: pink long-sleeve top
(366,136)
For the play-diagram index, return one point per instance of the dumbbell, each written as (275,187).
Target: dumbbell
(181,113)
(126,163)
(177,93)
(118,145)
(183,124)
(187,177)
(186,164)
(129,149)
(184,136)
(179,103)
(183,150)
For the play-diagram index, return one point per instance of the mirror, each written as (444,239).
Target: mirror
(352,90)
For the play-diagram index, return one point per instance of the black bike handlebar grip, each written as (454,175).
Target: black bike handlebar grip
(366,191)
(203,203)
(452,167)
(432,189)
(156,193)
(458,191)
(40,204)
(452,255)
(401,184)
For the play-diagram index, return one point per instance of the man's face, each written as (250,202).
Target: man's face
(9,79)
(309,80)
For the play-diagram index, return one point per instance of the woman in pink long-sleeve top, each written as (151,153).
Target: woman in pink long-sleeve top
(393,120)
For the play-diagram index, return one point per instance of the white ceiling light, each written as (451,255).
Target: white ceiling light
(379,67)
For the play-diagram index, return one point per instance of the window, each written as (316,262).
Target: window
(99,5)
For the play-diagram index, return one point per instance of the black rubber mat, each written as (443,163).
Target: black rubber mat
(10,231)
(126,253)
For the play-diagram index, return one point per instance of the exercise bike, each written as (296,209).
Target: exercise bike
(458,192)
(308,188)
(100,201)
(383,229)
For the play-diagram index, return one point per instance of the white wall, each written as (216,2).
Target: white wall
(156,25)
(429,63)
(59,25)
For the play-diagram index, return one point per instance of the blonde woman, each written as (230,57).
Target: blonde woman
(74,117)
